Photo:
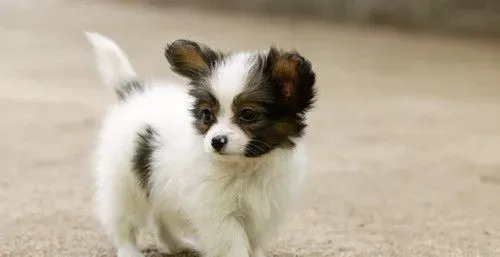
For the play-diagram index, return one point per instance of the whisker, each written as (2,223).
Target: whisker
(262,142)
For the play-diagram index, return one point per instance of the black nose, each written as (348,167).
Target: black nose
(219,142)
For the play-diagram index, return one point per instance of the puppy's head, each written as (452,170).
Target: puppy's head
(246,104)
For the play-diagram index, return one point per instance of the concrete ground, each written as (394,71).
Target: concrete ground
(404,142)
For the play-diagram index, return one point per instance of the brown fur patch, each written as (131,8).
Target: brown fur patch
(188,56)
(285,68)
(293,79)
(190,59)
(204,100)
(285,128)
(269,130)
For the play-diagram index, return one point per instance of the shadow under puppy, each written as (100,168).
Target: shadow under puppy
(215,163)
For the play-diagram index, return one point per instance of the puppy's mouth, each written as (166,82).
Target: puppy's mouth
(225,157)
(238,154)
(221,153)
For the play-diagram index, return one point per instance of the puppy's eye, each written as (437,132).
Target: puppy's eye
(248,116)
(206,116)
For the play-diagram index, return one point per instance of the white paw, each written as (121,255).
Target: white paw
(192,244)
(187,245)
(129,251)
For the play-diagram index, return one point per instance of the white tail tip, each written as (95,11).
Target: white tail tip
(113,64)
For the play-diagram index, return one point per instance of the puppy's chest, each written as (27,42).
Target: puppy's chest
(260,204)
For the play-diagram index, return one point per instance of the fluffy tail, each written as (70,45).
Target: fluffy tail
(114,66)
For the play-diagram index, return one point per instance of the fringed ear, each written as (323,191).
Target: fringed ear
(292,79)
(190,59)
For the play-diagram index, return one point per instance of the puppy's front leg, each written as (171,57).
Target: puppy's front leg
(225,238)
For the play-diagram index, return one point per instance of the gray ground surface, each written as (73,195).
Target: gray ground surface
(404,142)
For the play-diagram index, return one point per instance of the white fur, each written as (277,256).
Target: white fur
(224,208)
(227,82)
(112,62)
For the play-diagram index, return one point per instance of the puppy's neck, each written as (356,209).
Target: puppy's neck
(245,166)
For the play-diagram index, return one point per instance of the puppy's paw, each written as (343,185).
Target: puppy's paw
(187,245)
(129,251)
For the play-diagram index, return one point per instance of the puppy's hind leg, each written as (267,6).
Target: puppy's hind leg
(166,236)
(123,210)
(170,239)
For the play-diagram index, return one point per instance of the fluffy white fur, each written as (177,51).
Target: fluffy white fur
(222,207)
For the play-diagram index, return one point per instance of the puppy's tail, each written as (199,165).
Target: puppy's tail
(114,66)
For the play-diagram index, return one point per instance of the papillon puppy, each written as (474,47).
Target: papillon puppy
(215,163)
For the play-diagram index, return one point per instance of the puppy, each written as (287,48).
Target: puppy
(215,164)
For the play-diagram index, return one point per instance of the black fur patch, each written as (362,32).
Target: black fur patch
(128,88)
(147,144)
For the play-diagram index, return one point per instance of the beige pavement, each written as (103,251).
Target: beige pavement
(404,142)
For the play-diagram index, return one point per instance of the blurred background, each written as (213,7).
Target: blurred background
(404,142)
(477,17)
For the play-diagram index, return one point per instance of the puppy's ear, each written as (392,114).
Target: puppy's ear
(292,79)
(190,59)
